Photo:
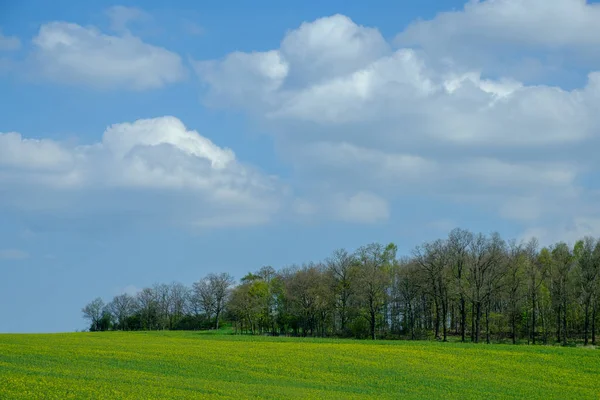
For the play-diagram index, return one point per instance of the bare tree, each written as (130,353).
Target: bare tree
(459,241)
(93,312)
(536,273)
(588,260)
(484,274)
(407,288)
(374,276)
(514,282)
(147,306)
(219,285)
(434,259)
(204,296)
(162,294)
(178,298)
(564,262)
(342,268)
(122,307)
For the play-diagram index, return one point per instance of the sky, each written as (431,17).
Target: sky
(145,142)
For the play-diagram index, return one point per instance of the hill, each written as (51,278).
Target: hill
(181,365)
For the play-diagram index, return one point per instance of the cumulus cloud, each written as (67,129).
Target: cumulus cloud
(156,162)
(70,53)
(399,89)
(330,47)
(241,76)
(32,154)
(564,24)
(530,38)
(354,114)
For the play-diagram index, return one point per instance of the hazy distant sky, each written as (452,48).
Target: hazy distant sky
(159,141)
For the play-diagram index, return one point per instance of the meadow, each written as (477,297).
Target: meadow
(192,365)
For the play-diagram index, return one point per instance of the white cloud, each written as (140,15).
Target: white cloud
(13,254)
(353,115)
(241,76)
(32,153)
(159,157)
(536,23)
(9,43)
(532,39)
(400,89)
(71,53)
(330,47)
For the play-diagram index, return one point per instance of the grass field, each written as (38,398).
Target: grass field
(181,365)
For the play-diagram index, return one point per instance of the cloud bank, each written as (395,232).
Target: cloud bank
(135,166)
(356,114)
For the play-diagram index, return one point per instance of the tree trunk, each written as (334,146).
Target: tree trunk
(463,318)
(472,321)
(453,325)
(587,322)
(373,325)
(487,323)
(437,317)
(564,321)
(411,321)
(478,322)
(527,326)
(533,320)
(444,315)
(412,324)
(514,327)
(544,327)
(594,323)
(558,323)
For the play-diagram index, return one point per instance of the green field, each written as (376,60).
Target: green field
(157,365)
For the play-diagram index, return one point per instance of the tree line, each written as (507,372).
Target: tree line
(472,287)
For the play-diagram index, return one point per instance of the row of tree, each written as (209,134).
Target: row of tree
(164,306)
(474,287)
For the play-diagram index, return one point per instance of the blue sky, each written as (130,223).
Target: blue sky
(157,142)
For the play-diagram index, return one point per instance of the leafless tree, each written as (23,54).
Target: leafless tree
(93,312)
(219,285)
(343,270)
(588,254)
(434,259)
(374,262)
(147,304)
(203,295)
(122,307)
(459,241)
(178,298)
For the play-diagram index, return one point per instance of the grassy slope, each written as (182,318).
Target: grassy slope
(193,365)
